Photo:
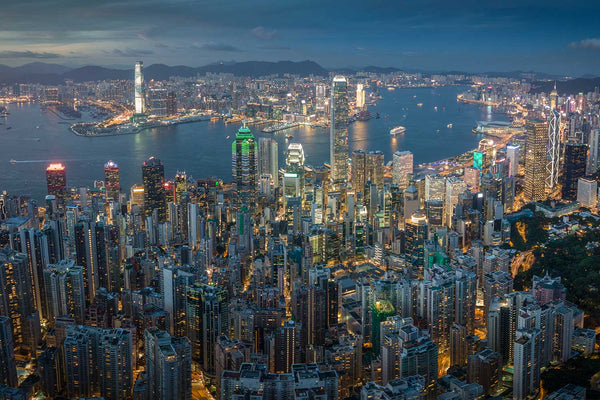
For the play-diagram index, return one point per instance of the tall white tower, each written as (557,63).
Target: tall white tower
(140,104)
(360,96)
(553,164)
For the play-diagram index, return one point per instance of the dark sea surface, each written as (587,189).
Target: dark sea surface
(203,149)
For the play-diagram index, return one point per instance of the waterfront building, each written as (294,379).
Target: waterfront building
(111,181)
(535,160)
(157,102)
(244,166)
(171,103)
(139,95)
(360,97)
(153,175)
(402,168)
(338,133)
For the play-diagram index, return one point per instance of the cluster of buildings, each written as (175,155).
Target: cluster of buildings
(358,278)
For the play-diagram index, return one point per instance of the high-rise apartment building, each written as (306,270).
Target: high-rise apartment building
(8,365)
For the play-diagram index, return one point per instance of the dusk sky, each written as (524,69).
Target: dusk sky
(559,37)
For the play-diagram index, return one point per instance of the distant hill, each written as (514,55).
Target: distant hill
(572,86)
(52,74)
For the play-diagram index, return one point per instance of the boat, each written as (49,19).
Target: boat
(419,104)
(449,126)
(13,161)
(8,127)
(397,130)
(227,137)
(363,116)
(289,136)
(377,116)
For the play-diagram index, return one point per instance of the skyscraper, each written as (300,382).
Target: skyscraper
(535,160)
(358,177)
(244,165)
(140,101)
(512,155)
(153,174)
(171,103)
(374,168)
(65,291)
(402,168)
(360,96)
(338,133)
(320,94)
(574,168)
(417,230)
(553,163)
(294,171)
(111,181)
(157,99)
(56,180)
(268,159)
(594,155)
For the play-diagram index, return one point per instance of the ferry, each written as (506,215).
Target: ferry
(397,130)
(419,104)
(449,126)
(13,161)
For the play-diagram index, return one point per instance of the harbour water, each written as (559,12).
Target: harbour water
(202,149)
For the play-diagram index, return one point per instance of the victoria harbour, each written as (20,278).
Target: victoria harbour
(204,148)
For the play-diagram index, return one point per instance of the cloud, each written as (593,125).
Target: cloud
(216,47)
(263,33)
(591,43)
(28,54)
(129,52)
(274,47)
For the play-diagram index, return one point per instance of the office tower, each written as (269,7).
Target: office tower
(454,188)
(136,195)
(535,160)
(153,175)
(168,366)
(526,378)
(435,187)
(206,319)
(402,168)
(244,166)
(8,365)
(553,98)
(288,344)
(594,155)
(294,171)
(553,163)
(140,100)
(171,103)
(320,96)
(360,96)
(56,180)
(111,181)
(358,176)
(587,192)
(338,134)
(16,299)
(512,155)
(485,368)
(374,164)
(157,99)
(268,159)
(574,168)
(416,231)
(65,291)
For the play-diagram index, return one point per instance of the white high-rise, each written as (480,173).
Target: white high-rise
(512,155)
(360,96)
(454,187)
(140,101)
(587,192)
(402,168)
(594,153)
(435,187)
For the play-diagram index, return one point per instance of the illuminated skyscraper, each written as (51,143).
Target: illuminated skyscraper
(320,93)
(294,171)
(140,101)
(244,165)
(157,99)
(358,177)
(402,168)
(535,160)
(171,103)
(56,180)
(153,174)
(553,98)
(553,163)
(338,133)
(374,168)
(417,230)
(111,181)
(512,155)
(574,168)
(360,96)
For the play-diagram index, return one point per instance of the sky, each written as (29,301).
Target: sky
(557,37)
